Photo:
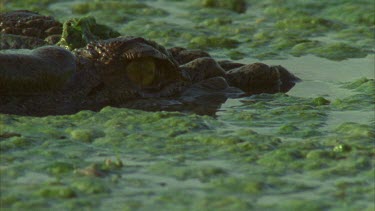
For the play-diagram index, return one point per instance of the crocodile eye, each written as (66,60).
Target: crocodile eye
(142,71)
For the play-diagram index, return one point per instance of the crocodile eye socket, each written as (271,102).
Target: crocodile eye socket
(142,71)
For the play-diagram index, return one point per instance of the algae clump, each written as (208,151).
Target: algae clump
(78,32)
(234,5)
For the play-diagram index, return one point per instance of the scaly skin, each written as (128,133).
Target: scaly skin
(108,72)
(124,72)
(130,67)
(36,29)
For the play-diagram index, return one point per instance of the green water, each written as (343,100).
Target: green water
(309,149)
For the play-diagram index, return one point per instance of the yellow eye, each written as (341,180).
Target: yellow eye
(142,71)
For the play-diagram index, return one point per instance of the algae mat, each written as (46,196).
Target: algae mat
(309,149)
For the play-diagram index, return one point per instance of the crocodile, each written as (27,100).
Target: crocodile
(46,72)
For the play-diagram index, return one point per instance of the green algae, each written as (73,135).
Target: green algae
(272,110)
(235,5)
(236,55)
(59,168)
(200,155)
(59,192)
(362,85)
(118,11)
(180,172)
(90,186)
(78,32)
(356,13)
(83,8)
(365,98)
(356,130)
(333,51)
(320,101)
(305,23)
(203,42)
(338,51)
(267,29)
(34,5)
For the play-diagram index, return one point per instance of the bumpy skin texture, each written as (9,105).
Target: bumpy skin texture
(131,67)
(183,55)
(126,72)
(34,28)
(108,72)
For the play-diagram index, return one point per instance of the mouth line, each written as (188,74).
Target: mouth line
(165,90)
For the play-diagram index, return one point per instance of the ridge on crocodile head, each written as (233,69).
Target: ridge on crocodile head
(131,67)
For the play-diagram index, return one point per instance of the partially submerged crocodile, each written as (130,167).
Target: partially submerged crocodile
(99,68)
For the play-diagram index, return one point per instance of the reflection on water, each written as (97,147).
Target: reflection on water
(322,77)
